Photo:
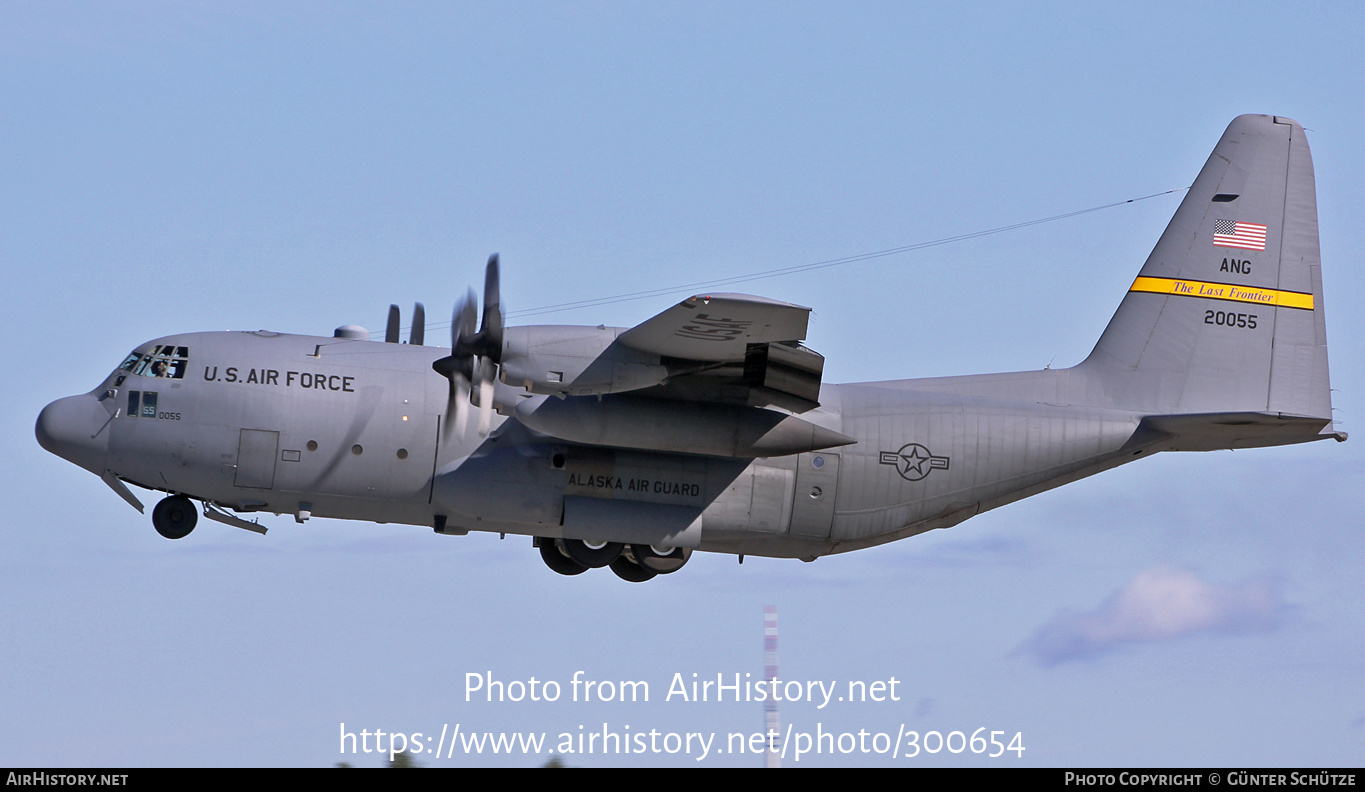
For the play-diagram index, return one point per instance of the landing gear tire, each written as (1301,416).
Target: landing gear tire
(592,555)
(663,560)
(555,559)
(174,517)
(630,571)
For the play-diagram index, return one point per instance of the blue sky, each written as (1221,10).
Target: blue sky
(174,167)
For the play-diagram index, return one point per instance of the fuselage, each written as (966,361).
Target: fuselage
(354,429)
(709,425)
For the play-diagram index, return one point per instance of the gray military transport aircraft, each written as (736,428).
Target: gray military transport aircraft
(707,427)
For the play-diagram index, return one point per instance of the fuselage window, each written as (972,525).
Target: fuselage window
(142,404)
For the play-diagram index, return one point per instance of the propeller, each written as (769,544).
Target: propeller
(391,328)
(418,333)
(419,325)
(472,365)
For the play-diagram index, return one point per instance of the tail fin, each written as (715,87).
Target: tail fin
(1226,315)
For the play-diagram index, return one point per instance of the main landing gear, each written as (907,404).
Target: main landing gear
(174,517)
(630,562)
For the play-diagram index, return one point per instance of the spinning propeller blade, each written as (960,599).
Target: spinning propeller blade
(474,355)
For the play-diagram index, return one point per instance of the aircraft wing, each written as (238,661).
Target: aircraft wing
(733,348)
(718,327)
(695,379)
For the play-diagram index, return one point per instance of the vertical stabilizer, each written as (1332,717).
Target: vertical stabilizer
(1226,316)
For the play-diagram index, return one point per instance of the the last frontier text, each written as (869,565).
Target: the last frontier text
(682,688)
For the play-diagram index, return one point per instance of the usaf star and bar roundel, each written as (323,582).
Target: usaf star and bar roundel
(913,461)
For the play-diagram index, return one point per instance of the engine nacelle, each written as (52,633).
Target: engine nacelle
(575,361)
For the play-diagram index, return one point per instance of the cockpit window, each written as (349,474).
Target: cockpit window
(164,360)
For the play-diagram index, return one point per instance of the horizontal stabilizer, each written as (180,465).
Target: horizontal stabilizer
(1215,431)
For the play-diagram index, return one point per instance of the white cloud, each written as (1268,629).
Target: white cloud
(1159,604)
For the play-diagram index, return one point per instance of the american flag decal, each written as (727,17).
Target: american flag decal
(1234,234)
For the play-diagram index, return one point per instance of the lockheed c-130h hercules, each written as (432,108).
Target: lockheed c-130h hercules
(708,427)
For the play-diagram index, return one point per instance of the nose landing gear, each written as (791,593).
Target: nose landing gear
(175,517)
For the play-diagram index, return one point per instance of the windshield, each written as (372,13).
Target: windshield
(164,360)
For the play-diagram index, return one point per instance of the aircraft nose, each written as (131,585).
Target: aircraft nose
(71,429)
